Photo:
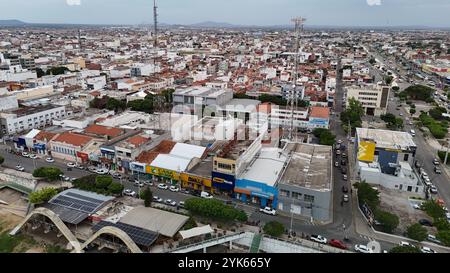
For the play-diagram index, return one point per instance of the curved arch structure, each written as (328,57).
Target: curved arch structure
(58,223)
(117,233)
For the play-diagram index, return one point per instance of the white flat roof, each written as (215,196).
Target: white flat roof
(187,150)
(170,162)
(193,232)
(386,139)
(267,167)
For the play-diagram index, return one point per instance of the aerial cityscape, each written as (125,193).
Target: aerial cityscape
(225,127)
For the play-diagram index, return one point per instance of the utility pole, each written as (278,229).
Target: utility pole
(446,152)
(299,21)
(155,24)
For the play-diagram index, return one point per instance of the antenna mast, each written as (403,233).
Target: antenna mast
(299,22)
(155,23)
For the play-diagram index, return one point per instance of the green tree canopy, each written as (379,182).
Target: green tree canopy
(353,113)
(2,159)
(419,92)
(405,249)
(433,209)
(214,209)
(273,228)
(147,195)
(392,122)
(115,188)
(42,196)
(58,70)
(368,195)
(389,221)
(168,95)
(48,173)
(103,182)
(326,137)
(444,237)
(441,224)
(40,73)
(417,232)
(116,105)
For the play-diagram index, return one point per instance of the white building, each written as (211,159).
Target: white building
(139,70)
(281,116)
(374,98)
(19,120)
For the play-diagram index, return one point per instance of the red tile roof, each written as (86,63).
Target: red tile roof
(73,139)
(103,130)
(137,140)
(45,136)
(163,148)
(320,112)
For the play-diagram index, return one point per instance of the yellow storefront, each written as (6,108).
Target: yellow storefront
(159,172)
(196,182)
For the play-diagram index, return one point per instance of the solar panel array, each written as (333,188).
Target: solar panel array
(77,202)
(139,235)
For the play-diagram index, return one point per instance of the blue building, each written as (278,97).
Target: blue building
(257,185)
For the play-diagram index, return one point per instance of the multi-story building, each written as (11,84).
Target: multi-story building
(202,96)
(68,146)
(374,98)
(27,118)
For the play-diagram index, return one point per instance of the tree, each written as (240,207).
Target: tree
(39,72)
(147,195)
(433,209)
(274,229)
(417,232)
(444,237)
(103,182)
(388,80)
(389,221)
(272,99)
(59,70)
(368,195)
(113,104)
(396,88)
(405,249)
(48,173)
(441,224)
(42,196)
(437,112)
(214,209)
(325,136)
(392,122)
(419,92)
(99,103)
(2,159)
(115,188)
(353,113)
(412,111)
(168,95)
(372,61)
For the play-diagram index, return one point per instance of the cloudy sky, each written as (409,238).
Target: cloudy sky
(249,12)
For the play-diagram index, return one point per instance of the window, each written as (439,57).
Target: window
(309,198)
(406,157)
(284,193)
(225,166)
(129,154)
(296,195)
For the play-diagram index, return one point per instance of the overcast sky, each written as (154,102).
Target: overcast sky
(248,12)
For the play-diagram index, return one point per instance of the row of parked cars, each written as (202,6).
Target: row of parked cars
(426,178)
(423,249)
(339,244)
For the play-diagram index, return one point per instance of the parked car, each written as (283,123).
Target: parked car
(268,210)
(20,168)
(425,222)
(362,249)
(170,202)
(138,183)
(181,204)
(92,169)
(129,192)
(344,155)
(336,164)
(433,239)
(338,152)
(71,165)
(49,160)
(437,170)
(162,186)
(148,183)
(206,195)
(33,156)
(344,177)
(425,249)
(157,199)
(343,162)
(436,161)
(433,189)
(174,189)
(344,170)
(344,189)
(319,239)
(25,154)
(102,171)
(345,198)
(403,243)
(337,244)
(339,141)
(417,206)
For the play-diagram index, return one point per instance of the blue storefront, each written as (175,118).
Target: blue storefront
(256,193)
(223,182)
(40,148)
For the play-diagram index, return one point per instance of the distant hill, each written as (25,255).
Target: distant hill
(12,23)
(210,24)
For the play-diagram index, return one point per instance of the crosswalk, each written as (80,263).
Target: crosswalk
(366,237)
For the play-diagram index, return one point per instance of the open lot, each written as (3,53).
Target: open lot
(401,204)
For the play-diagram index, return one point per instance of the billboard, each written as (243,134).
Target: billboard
(366,151)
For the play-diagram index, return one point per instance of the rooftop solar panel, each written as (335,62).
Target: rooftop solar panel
(139,235)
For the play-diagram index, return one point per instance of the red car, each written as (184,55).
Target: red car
(338,244)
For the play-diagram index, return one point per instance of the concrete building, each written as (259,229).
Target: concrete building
(374,98)
(202,96)
(8,103)
(306,186)
(68,146)
(26,118)
(139,70)
(386,158)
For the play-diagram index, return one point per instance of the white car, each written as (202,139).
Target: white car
(71,165)
(403,243)
(33,156)
(205,195)
(25,154)
(138,184)
(102,171)
(174,189)
(49,160)
(128,192)
(181,204)
(157,199)
(319,239)
(162,186)
(433,189)
(268,210)
(417,206)
(425,249)
(20,168)
(171,203)
(362,249)
(92,169)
